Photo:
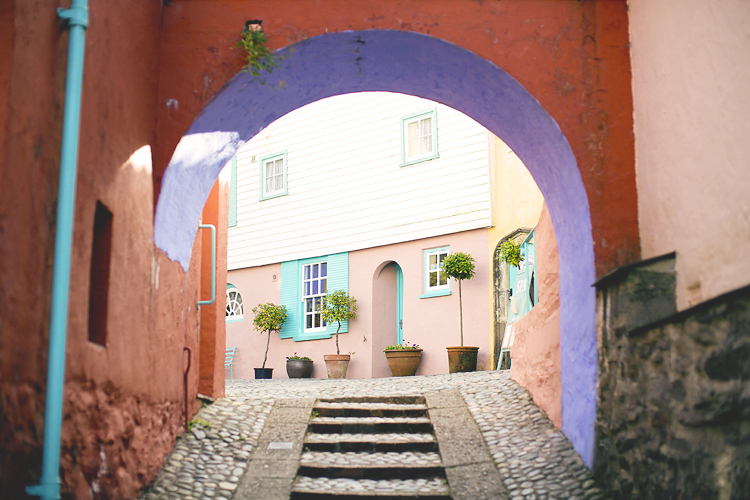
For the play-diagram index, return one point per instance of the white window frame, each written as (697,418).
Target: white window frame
(313,300)
(418,117)
(230,311)
(438,290)
(276,192)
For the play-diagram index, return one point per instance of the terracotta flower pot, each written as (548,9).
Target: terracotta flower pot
(462,359)
(263,373)
(337,364)
(403,362)
(299,368)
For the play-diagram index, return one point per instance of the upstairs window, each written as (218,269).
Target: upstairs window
(273,175)
(419,137)
(234,304)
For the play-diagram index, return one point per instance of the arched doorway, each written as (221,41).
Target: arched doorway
(388,303)
(415,64)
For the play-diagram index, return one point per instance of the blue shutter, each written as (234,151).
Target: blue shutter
(338,279)
(233,194)
(290,297)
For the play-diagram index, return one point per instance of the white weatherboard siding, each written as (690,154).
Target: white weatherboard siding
(346,188)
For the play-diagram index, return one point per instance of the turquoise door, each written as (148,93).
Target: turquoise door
(399,303)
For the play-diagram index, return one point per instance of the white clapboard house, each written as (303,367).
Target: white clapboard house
(364,193)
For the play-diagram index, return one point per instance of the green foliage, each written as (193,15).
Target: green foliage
(459,266)
(199,422)
(338,306)
(510,251)
(402,347)
(269,317)
(300,358)
(259,56)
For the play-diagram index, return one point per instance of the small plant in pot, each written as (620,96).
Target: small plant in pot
(268,318)
(460,266)
(299,366)
(403,359)
(338,306)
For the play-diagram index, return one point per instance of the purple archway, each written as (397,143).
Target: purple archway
(420,65)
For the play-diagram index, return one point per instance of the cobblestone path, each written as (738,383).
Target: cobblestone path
(534,459)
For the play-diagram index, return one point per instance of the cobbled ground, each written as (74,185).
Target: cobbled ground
(535,460)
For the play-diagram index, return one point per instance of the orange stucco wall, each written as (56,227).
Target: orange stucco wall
(535,354)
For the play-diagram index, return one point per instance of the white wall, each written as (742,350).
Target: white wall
(346,188)
(691,91)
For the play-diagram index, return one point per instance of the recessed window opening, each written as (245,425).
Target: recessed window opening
(313,293)
(99,284)
(234,309)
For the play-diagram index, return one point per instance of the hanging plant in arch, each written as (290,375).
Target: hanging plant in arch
(510,251)
(258,56)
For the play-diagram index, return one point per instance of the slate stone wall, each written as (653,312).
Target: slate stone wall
(673,420)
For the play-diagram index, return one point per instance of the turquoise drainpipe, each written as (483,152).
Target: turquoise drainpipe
(77,17)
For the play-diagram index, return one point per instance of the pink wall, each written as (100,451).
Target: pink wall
(535,353)
(432,323)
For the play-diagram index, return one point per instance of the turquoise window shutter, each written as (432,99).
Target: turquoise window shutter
(233,194)
(290,297)
(338,279)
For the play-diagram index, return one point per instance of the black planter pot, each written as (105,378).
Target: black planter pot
(261,373)
(299,368)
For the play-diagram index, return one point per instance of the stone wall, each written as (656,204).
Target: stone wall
(674,410)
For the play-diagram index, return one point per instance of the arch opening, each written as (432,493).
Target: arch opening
(420,65)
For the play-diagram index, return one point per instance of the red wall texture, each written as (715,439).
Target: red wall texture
(149,70)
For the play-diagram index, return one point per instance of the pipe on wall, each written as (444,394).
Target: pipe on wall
(49,484)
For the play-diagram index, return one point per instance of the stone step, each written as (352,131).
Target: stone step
(373,409)
(360,489)
(392,442)
(369,425)
(395,400)
(357,465)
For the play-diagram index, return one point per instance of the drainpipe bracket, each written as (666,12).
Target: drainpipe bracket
(76,16)
(47,490)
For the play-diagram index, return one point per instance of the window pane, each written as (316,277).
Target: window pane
(315,287)
(307,272)
(269,169)
(426,144)
(279,182)
(317,321)
(324,269)
(443,279)
(433,261)
(307,288)
(324,286)
(269,184)
(309,321)
(279,167)
(314,270)
(413,130)
(433,279)
(309,303)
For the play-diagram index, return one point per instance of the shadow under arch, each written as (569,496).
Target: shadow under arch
(428,67)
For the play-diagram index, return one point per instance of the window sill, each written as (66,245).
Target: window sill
(233,320)
(406,163)
(439,293)
(275,195)
(313,336)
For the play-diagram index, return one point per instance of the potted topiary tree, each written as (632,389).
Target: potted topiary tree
(460,266)
(268,317)
(338,306)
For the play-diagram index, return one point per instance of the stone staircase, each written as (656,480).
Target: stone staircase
(370,448)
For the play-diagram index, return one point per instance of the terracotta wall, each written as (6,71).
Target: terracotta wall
(690,74)
(432,323)
(123,402)
(535,354)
